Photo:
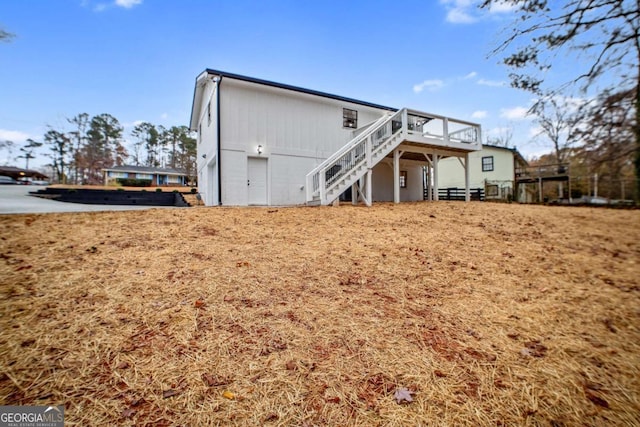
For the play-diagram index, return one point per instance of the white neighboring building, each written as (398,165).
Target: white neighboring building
(493,169)
(266,143)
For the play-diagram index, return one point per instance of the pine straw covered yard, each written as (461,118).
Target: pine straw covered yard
(481,314)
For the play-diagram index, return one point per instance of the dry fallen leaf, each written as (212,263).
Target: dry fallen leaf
(169,393)
(593,392)
(272,416)
(596,399)
(228,395)
(128,413)
(403,395)
(291,365)
(534,348)
(215,380)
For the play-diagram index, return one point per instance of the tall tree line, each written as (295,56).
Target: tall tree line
(605,131)
(94,143)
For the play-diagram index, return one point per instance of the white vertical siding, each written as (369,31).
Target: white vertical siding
(297,131)
(282,120)
(383,182)
(415,188)
(451,173)
(207,146)
(233,166)
(287,182)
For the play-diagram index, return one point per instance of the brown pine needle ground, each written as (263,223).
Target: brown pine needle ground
(484,314)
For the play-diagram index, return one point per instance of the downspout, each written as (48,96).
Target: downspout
(219,168)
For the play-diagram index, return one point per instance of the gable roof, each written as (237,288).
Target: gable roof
(145,169)
(197,94)
(514,150)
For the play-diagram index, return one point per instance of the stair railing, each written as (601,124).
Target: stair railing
(354,154)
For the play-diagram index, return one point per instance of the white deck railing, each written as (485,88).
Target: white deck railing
(326,181)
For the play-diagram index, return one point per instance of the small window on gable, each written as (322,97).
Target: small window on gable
(487,164)
(403,179)
(349,118)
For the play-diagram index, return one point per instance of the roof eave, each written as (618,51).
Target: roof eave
(210,71)
(197,100)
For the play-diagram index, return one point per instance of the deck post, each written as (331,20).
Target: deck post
(436,157)
(354,193)
(539,189)
(369,199)
(405,122)
(445,130)
(569,190)
(429,178)
(322,185)
(396,176)
(430,182)
(467,195)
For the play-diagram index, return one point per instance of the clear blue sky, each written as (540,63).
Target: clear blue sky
(138,59)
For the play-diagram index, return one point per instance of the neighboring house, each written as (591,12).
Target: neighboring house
(493,169)
(156,176)
(20,174)
(267,143)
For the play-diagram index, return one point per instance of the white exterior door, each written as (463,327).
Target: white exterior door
(257,181)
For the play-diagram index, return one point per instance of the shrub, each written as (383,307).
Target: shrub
(194,190)
(158,190)
(134,182)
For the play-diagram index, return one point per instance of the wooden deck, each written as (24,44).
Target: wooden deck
(552,172)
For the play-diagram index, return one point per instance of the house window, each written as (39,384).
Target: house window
(349,118)
(403,179)
(492,191)
(487,164)
(113,174)
(144,176)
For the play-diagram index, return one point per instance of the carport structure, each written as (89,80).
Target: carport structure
(17,173)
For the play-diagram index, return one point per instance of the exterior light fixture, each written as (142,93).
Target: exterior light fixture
(204,156)
(259,149)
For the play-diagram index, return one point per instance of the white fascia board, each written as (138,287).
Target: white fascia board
(196,107)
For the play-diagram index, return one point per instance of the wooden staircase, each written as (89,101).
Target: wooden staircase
(349,164)
(353,163)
